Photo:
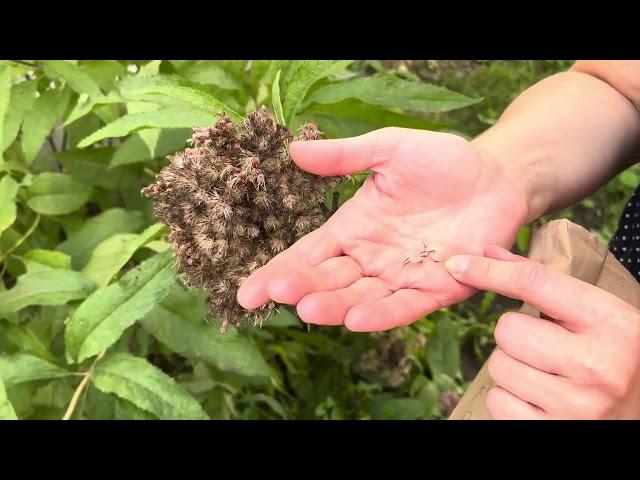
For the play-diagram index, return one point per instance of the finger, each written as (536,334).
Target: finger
(401,308)
(576,304)
(539,343)
(309,251)
(502,405)
(544,390)
(499,253)
(330,308)
(289,287)
(346,155)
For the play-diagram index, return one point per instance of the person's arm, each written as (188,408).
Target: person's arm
(567,135)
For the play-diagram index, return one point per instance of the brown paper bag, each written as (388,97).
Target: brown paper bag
(569,248)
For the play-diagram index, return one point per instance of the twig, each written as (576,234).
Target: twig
(76,395)
(22,239)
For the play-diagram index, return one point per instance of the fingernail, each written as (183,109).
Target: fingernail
(456,264)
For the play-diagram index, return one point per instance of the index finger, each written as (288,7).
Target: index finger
(576,304)
(309,251)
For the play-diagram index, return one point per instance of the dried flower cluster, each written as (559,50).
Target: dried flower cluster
(390,363)
(233,201)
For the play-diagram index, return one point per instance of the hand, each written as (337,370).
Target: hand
(432,189)
(581,363)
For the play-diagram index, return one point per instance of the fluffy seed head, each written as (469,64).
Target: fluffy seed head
(232,201)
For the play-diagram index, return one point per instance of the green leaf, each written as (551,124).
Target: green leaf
(42,259)
(150,143)
(80,244)
(170,87)
(78,80)
(86,104)
(20,368)
(178,323)
(5,95)
(52,193)
(113,253)
(90,166)
(8,190)
(23,95)
(375,115)
(389,91)
(47,287)
(167,118)
(389,408)
(443,349)
(302,79)
(205,72)
(136,380)
(6,409)
(523,238)
(38,122)
(26,341)
(275,97)
(100,319)
(104,72)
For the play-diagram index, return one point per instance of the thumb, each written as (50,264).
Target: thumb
(346,155)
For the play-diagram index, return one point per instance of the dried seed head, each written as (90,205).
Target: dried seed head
(232,201)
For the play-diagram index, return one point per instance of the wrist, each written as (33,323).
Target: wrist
(524,169)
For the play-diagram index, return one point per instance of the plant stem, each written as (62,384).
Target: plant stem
(85,381)
(22,239)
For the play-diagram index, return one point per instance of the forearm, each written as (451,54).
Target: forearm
(563,138)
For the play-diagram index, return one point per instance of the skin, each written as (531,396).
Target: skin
(557,143)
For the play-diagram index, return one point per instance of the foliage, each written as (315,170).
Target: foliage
(94,322)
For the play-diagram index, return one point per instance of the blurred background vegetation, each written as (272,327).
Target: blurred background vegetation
(82,138)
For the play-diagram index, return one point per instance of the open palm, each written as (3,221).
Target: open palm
(376,263)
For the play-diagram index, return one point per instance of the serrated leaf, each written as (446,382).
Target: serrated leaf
(8,190)
(23,95)
(78,80)
(302,78)
(100,319)
(171,87)
(136,380)
(50,287)
(275,98)
(443,349)
(22,367)
(112,254)
(167,118)
(42,259)
(150,143)
(389,91)
(6,409)
(178,322)
(53,193)
(40,120)
(80,244)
